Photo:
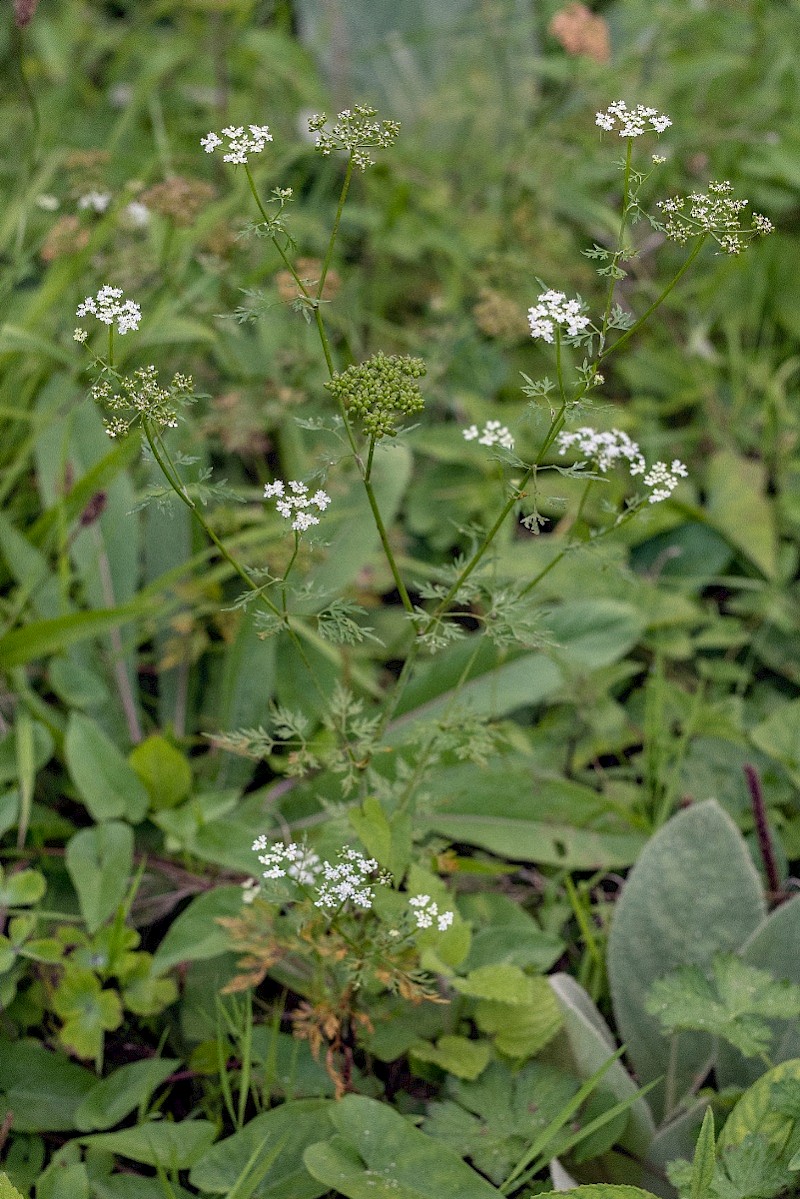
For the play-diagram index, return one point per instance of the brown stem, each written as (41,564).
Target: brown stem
(762,830)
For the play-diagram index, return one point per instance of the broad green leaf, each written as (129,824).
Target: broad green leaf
(521,1031)
(276,1138)
(506,983)
(115,1097)
(504,932)
(100,861)
(43,1089)
(779,736)
(386,839)
(589,634)
(584,1046)
(64,1180)
(735,1003)
(163,769)
(41,638)
(194,935)
(172,1146)
(24,887)
(739,507)
(378,1154)
(678,908)
(457,1055)
(516,812)
(108,786)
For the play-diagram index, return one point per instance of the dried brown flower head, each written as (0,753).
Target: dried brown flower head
(23,12)
(179,198)
(499,316)
(67,236)
(582,32)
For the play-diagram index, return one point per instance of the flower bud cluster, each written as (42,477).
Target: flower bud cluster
(295,503)
(714,213)
(355,131)
(553,311)
(140,395)
(107,307)
(493,433)
(240,144)
(380,390)
(605,449)
(631,122)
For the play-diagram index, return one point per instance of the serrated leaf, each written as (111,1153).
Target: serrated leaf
(457,1055)
(734,1003)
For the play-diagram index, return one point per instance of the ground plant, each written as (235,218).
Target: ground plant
(400,716)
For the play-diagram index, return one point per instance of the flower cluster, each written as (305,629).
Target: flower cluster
(294,504)
(425,911)
(663,479)
(605,449)
(94,200)
(553,310)
(493,433)
(355,131)
(631,122)
(380,390)
(714,213)
(351,880)
(140,395)
(240,144)
(287,861)
(106,306)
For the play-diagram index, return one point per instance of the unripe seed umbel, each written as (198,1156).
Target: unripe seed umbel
(379,391)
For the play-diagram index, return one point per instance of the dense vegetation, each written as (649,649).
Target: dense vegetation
(400,717)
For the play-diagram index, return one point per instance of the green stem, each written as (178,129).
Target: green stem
(638,324)
(335,230)
(617,255)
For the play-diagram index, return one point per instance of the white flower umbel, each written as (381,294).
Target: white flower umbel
(493,433)
(425,911)
(606,449)
(631,122)
(109,308)
(663,479)
(240,144)
(355,130)
(295,504)
(351,881)
(288,861)
(714,213)
(553,311)
(96,201)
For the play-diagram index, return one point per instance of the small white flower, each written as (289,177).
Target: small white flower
(47,203)
(493,433)
(631,122)
(250,890)
(136,215)
(79,335)
(107,308)
(554,310)
(426,910)
(296,504)
(606,449)
(97,201)
(658,159)
(240,144)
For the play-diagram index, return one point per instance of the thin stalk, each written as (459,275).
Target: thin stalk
(335,230)
(612,282)
(636,326)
